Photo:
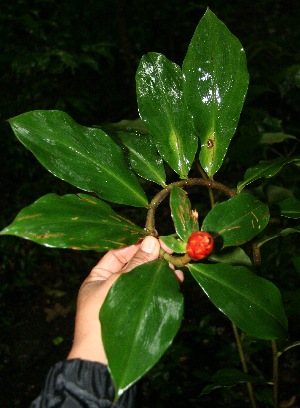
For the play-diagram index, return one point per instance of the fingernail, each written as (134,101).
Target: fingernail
(148,245)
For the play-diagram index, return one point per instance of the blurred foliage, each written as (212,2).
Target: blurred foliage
(81,57)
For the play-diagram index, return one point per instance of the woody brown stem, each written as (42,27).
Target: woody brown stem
(257,263)
(161,195)
(243,362)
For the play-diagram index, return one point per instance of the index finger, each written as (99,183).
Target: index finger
(116,259)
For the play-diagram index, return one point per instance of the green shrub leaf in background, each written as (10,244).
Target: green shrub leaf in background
(238,219)
(74,221)
(139,319)
(282,233)
(160,102)
(184,221)
(289,207)
(275,137)
(85,157)
(267,169)
(229,377)
(252,303)
(215,85)
(289,347)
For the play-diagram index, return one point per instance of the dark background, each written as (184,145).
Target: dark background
(81,57)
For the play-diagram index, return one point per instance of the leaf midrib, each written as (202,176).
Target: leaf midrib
(111,174)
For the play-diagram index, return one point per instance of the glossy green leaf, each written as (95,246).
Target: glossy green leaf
(216,81)
(266,169)
(160,101)
(252,303)
(127,125)
(282,233)
(185,221)
(74,221)
(238,219)
(290,207)
(139,319)
(174,243)
(85,157)
(229,377)
(143,156)
(232,256)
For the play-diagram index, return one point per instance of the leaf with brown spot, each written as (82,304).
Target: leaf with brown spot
(97,226)
(85,157)
(237,220)
(214,87)
(184,218)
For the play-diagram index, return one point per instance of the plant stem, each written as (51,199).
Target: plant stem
(210,192)
(244,363)
(211,197)
(161,195)
(256,254)
(275,373)
(178,261)
(257,263)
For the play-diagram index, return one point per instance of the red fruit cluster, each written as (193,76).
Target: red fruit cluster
(199,245)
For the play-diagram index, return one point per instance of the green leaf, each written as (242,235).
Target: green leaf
(290,207)
(282,233)
(277,193)
(232,256)
(228,377)
(237,220)
(85,157)
(265,395)
(274,137)
(185,221)
(127,125)
(267,169)
(142,152)
(144,159)
(174,243)
(160,101)
(215,85)
(289,347)
(139,319)
(291,301)
(252,303)
(296,261)
(74,221)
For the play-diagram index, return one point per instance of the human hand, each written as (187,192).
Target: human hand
(87,343)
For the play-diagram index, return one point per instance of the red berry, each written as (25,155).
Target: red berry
(199,245)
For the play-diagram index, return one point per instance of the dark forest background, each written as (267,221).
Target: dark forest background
(81,57)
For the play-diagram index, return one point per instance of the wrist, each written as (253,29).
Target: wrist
(87,344)
(88,348)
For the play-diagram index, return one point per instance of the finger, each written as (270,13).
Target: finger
(148,251)
(165,248)
(179,275)
(112,262)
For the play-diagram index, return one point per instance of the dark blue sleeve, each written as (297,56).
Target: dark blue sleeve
(79,383)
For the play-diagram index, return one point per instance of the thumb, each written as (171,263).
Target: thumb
(148,251)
